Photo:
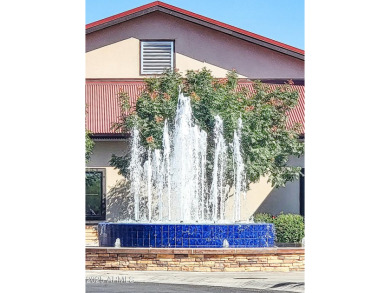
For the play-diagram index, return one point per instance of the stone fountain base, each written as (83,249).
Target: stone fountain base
(196,259)
(186,235)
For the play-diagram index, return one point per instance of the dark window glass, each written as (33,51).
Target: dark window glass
(94,195)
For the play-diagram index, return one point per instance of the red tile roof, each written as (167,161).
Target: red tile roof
(103,103)
(190,16)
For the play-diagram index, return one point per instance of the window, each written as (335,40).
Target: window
(156,56)
(95,208)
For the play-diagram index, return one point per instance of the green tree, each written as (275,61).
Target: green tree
(89,144)
(267,143)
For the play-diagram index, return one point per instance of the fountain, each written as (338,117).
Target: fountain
(170,202)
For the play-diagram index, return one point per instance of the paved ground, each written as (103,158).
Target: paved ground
(167,288)
(155,281)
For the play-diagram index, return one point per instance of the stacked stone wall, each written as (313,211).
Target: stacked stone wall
(196,260)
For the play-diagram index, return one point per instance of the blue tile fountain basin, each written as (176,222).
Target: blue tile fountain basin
(186,235)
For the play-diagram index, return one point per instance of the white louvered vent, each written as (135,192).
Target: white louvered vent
(156,56)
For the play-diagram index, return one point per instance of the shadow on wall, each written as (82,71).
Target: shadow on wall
(284,199)
(117,203)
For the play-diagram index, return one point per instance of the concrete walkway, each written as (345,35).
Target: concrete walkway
(272,281)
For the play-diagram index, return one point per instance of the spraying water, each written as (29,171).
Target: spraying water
(218,183)
(135,168)
(166,167)
(148,171)
(174,178)
(157,177)
(239,171)
(182,161)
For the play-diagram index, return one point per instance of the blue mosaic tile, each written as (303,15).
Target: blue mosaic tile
(218,242)
(218,230)
(206,231)
(191,230)
(186,235)
(197,234)
(179,241)
(193,242)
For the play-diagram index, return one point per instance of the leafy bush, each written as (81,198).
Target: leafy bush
(263,218)
(289,228)
(89,144)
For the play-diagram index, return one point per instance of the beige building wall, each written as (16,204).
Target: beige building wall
(263,198)
(122,60)
(118,60)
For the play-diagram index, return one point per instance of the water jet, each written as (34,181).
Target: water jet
(170,203)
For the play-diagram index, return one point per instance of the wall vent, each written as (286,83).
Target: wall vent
(156,56)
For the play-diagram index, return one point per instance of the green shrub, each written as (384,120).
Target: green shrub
(289,228)
(263,218)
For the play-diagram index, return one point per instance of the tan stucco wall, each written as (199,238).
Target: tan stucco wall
(261,197)
(118,60)
(114,52)
(185,63)
(284,199)
(122,60)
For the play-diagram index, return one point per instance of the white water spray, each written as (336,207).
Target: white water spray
(173,179)
(218,183)
(135,170)
(166,166)
(148,171)
(239,171)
